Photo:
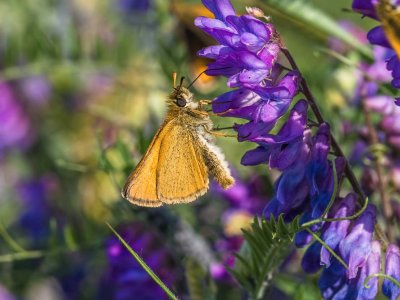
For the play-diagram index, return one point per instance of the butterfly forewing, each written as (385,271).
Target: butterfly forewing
(182,175)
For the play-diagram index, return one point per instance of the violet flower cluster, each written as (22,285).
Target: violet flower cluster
(247,55)
(377,36)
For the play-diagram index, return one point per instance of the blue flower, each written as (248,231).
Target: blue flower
(356,246)
(392,268)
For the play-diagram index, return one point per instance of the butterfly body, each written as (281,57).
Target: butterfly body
(177,164)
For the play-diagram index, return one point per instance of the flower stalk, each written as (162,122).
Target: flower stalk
(338,152)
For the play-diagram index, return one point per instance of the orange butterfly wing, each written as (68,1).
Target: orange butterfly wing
(141,186)
(182,175)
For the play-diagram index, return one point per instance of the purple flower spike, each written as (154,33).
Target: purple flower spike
(392,269)
(356,247)
(337,231)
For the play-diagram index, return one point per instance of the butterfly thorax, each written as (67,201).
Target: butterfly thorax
(183,109)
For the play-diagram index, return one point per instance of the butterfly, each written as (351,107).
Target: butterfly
(389,15)
(177,164)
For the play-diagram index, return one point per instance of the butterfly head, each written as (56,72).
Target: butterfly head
(182,97)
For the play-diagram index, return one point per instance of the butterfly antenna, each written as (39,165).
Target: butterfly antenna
(174,79)
(182,79)
(198,76)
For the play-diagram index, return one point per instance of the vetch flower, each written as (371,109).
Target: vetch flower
(356,246)
(335,232)
(289,147)
(372,266)
(248,47)
(333,282)
(392,268)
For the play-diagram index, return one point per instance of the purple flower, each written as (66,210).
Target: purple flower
(311,262)
(247,50)
(377,36)
(134,6)
(371,267)
(125,277)
(15,124)
(5,294)
(285,149)
(246,195)
(333,282)
(262,106)
(335,232)
(225,247)
(36,89)
(36,211)
(392,269)
(356,247)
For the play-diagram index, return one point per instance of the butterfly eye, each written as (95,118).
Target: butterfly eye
(180,101)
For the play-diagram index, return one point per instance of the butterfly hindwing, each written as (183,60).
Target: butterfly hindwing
(141,186)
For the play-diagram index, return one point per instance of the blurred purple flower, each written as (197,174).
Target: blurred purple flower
(248,195)
(36,89)
(125,278)
(225,247)
(358,33)
(392,268)
(134,6)
(36,211)
(15,124)
(5,294)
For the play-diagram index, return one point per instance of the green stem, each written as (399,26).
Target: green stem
(6,258)
(335,190)
(355,216)
(317,238)
(144,265)
(380,275)
(9,240)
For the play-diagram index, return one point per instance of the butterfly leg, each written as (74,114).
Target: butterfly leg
(204,103)
(214,133)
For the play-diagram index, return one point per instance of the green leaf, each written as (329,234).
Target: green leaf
(303,14)
(199,287)
(144,265)
(265,247)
